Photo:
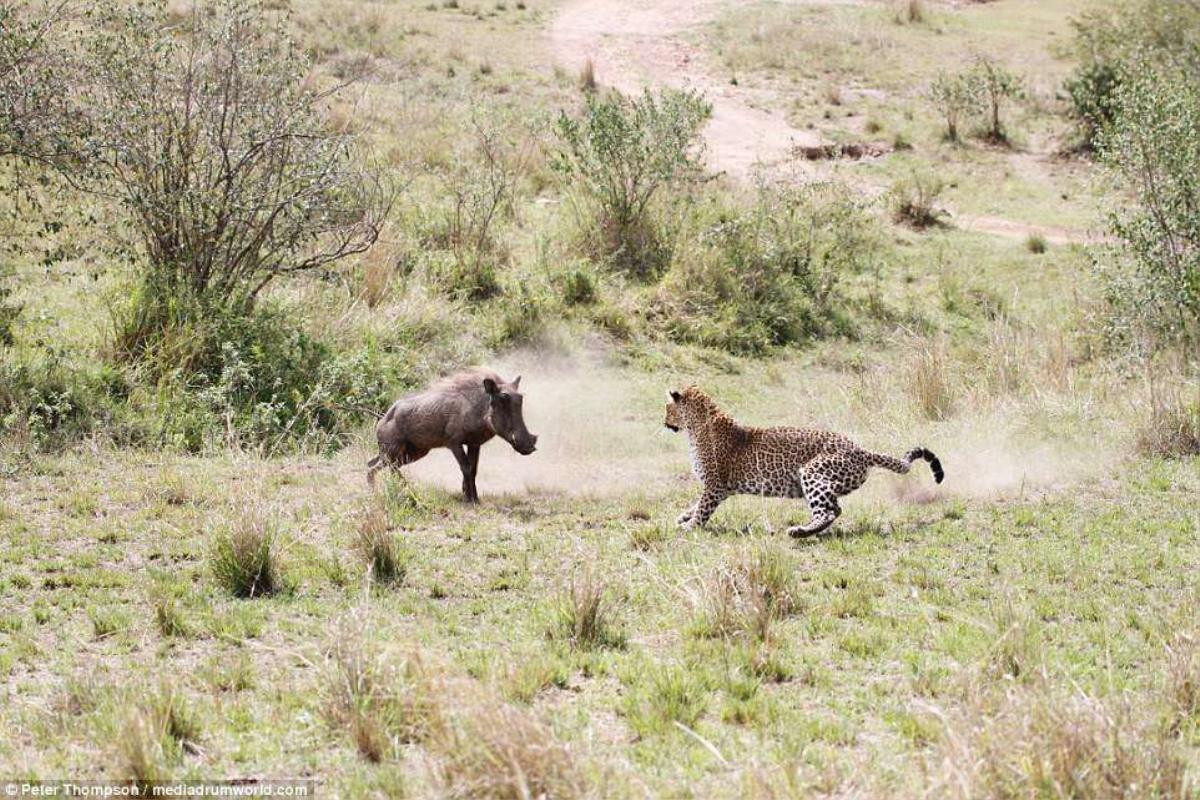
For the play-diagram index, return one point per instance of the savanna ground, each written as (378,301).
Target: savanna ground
(1025,629)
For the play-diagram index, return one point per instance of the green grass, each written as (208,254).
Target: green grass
(227,615)
(1081,588)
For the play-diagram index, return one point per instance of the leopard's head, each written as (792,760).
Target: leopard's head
(674,419)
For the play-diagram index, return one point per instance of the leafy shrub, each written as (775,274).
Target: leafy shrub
(955,96)
(621,155)
(209,137)
(767,275)
(1093,89)
(1111,38)
(8,311)
(996,85)
(1153,288)
(48,402)
(257,379)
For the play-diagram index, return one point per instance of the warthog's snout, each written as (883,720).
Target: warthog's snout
(526,446)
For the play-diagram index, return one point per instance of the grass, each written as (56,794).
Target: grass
(245,558)
(1027,626)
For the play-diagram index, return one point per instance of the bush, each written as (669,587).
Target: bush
(47,403)
(1093,90)
(1153,290)
(209,137)
(768,275)
(479,184)
(996,85)
(257,379)
(621,155)
(9,311)
(1112,37)
(955,96)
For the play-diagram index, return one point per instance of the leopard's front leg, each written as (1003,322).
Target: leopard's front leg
(698,516)
(686,516)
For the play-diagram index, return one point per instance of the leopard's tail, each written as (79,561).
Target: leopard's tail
(902,465)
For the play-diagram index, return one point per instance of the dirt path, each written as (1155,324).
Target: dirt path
(637,44)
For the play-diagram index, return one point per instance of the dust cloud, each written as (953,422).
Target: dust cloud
(600,433)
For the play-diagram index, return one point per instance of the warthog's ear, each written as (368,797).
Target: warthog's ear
(516,384)
(490,386)
(675,396)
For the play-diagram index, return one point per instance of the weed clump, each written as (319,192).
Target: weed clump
(745,596)
(581,615)
(380,702)
(245,558)
(378,547)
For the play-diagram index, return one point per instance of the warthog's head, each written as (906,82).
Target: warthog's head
(674,419)
(504,415)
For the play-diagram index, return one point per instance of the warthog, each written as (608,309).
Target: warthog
(460,412)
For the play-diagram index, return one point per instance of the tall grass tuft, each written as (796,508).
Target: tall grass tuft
(745,596)
(245,559)
(157,732)
(929,382)
(386,560)
(1171,429)
(582,617)
(587,76)
(381,702)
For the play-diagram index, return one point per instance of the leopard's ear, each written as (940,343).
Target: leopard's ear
(675,396)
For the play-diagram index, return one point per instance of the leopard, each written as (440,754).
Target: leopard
(817,466)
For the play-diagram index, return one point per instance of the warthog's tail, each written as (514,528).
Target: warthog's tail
(373,466)
(902,465)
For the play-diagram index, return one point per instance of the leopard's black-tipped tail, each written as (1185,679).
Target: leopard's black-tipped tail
(902,465)
(934,464)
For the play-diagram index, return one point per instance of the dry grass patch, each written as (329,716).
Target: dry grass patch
(745,596)
(1172,428)
(381,701)
(1033,743)
(245,559)
(929,382)
(583,616)
(484,748)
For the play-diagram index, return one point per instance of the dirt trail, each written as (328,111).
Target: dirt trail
(647,43)
(637,44)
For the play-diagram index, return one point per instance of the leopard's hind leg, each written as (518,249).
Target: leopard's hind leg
(823,503)
(824,480)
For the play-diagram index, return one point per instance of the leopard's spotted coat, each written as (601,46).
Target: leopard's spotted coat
(730,459)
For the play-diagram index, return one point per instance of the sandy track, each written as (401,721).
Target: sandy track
(634,44)
(637,44)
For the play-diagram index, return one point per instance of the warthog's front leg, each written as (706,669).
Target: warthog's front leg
(468,471)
